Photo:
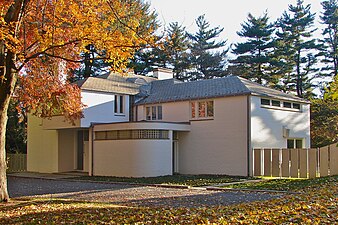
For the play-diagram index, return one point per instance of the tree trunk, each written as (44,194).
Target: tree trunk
(8,77)
(3,166)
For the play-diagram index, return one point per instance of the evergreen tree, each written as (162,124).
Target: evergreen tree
(93,64)
(254,58)
(204,58)
(330,37)
(296,48)
(175,48)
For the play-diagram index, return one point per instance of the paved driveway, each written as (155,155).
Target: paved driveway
(129,195)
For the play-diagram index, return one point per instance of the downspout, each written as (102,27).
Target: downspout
(249,155)
(91,128)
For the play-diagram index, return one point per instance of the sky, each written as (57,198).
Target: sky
(223,13)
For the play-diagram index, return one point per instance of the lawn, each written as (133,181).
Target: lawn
(285,184)
(189,180)
(317,205)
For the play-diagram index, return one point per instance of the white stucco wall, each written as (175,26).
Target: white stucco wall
(132,158)
(100,108)
(171,111)
(217,146)
(267,125)
(67,149)
(42,147)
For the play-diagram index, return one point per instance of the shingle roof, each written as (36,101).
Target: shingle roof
(114,83)
(260,90)
(173,90)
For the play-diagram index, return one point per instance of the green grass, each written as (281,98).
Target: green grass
(285,184)
(190,180)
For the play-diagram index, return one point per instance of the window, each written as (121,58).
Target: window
(287,105)
(296,106)
(294,143)
(119,104)
(265,101)
(131,134)
(277,104)
(202,109)
(154,112)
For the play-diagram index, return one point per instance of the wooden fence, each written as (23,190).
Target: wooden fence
(296,163)
(16,162)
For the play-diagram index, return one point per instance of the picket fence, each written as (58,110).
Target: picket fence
(16,162)
(296,163)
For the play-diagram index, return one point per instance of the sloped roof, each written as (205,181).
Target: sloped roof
(114,83)
(173,90)
(260,90)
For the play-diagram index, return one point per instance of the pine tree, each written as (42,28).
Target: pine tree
(330,37)
(296,48)
(254,58)
(175,48)
(206,61)
(93,64)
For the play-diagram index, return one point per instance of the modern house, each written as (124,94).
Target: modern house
(136,126)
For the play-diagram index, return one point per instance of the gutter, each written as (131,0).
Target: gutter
(92,148)
(249,166)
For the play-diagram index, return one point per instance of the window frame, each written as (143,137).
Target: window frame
(295,143)
(202,109)
(119,104)
(154,113)
(271,103)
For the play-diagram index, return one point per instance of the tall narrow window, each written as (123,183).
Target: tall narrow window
(119,104)
(193,109)
(201,109)
(159,112)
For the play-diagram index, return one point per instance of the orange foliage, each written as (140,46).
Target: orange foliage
(49,36)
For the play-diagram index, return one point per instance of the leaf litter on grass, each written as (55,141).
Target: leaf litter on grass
(317,205)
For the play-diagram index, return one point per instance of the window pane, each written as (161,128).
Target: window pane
(148,115)
(299,143)
(121,104)
(265,101)
(287,104)
(100,135)
(115,104)
(153,112)
(290,143)
(112,135)
(124,134)
(210,108)
(201,109)
(159,112)
(296,106)
(193,110)
(275,103)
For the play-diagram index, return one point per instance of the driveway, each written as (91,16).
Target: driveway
(129,195)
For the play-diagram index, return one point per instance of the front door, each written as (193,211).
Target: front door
(82,150)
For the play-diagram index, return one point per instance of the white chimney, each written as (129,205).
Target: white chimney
(163,73)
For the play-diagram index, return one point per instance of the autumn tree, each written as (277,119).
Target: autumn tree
(40,40)
(324,122)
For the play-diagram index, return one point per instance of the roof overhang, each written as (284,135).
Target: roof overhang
(142,125)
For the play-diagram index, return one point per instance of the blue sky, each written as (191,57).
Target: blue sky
(226,14)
